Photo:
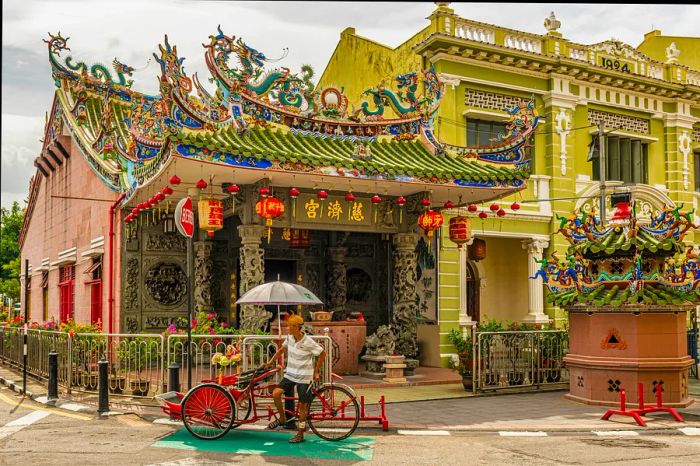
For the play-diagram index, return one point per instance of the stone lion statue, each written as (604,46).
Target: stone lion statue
(381,343)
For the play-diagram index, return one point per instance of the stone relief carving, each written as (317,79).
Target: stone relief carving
(132,325)
(203,276)
(131,284)
(403,322)
(312,278)
(360,250)
(337,282)
(359,286)
(385,215)
(252,274)
(166,282)
(163,242)
(158,322)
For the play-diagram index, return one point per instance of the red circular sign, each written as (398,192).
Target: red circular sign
(184,217)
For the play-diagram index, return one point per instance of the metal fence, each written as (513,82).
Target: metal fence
(519,359)
(139,363)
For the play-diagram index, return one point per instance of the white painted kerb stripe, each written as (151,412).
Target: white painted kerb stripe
(615,433)
(506,433)
(19,424)
(74,406)
(690,430)
(423,432)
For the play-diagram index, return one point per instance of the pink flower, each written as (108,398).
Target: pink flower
(224,324)
(211,316)
(71,333)
(172,328)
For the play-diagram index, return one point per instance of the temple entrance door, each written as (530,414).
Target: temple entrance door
(473,292)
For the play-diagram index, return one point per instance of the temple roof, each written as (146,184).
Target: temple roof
(274,120)
(620,295)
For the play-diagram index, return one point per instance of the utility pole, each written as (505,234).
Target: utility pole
(601,142)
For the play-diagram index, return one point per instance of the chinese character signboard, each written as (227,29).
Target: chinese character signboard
(335,211)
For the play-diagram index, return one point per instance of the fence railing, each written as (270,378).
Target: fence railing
(519,359)
(139,363)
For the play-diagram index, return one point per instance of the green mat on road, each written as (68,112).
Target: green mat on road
(249,442)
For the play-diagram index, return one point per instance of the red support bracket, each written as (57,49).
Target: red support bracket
(637,414)
(382,413)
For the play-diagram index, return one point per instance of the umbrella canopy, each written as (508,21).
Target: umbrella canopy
(278,293)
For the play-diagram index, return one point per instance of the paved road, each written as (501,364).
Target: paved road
(34,434)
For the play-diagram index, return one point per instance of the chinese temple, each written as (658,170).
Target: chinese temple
(289,181)
(627,286)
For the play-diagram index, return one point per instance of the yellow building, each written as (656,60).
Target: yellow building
(648,99)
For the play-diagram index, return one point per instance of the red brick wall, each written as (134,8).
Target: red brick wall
(57,224)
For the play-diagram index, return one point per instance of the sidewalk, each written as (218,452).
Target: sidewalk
(436,404)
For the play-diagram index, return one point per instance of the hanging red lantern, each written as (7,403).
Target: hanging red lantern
(269,208)
(135,211)
(152,201)
(430,221)
(211,215)
(401,201)
(501,212)
(460,230)
(201,184)
(425,202)
(167,191)
(174,180)
(376,199)
(350,197)
(159,196)
(483,215)
(449,205)
(472,208)
(477,250)
(322,194)
(233,189)
(294,193)
(515,206)
(264,192)
(494,207)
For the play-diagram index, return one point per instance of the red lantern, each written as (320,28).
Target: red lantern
(350,197)
(477,251)
(449,205)
(174,180)
(135,211)
(376,199)
(483,215)
(294,192)
(160,196)
(233,189)
(264,192)
(425,202)
(501,212)
(494,207)
(152,202)
(472,208)
(460,230)
(322,194)
(401,201)
(167,191)
(201,184)
(269,208)
(430,221)
(515,206)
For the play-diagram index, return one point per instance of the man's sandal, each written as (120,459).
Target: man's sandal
(275,424)
(296,439)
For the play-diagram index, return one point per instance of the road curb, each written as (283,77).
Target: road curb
(65,405)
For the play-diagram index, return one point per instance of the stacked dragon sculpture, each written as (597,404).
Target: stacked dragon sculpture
(624,263)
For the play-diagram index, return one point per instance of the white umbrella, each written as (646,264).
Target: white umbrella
(278,293)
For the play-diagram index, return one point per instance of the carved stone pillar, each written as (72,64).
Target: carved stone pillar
(536,313)
(252,274)
(203,276)
(337,282)
(403,321)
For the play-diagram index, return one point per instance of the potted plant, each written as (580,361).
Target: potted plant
(463,362)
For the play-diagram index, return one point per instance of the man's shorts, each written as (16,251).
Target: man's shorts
(303,391)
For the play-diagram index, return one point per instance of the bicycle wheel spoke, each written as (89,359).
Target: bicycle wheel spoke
(208,412)
(334,413)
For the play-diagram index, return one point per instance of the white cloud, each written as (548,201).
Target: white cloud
(131,30)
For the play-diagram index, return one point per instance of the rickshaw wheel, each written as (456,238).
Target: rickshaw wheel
(208,411)
(334,413)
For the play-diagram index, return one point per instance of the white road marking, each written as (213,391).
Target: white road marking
(168,421)
(615,433)
(19,424)
(423,432)
(690,430)
(507,433)
(74,406)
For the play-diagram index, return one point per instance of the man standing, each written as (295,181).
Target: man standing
(300,371)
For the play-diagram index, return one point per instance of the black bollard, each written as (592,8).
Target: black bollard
(103,368)
(174,377)
(53,376)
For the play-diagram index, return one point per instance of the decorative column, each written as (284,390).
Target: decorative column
(203,276)
(337,282)
(252,274)
(535,307)
(403,321)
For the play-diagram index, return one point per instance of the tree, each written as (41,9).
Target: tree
(10,263)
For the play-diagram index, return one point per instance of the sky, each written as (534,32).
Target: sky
(131,30)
